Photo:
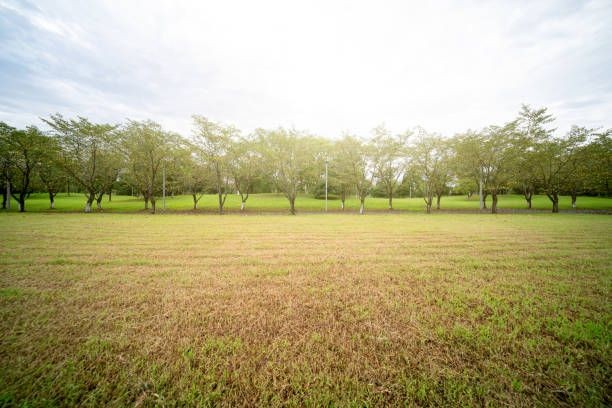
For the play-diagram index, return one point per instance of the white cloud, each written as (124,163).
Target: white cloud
(322,66)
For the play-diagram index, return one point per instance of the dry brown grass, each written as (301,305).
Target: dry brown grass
(309,310)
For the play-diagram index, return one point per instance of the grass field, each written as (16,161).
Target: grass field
(407,309)
(278,203)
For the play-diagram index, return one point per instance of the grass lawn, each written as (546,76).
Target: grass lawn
(278,203)
(446,309)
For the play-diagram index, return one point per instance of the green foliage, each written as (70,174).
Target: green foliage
(524,155)
(88,153)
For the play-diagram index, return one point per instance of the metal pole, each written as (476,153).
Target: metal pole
(325,185)
(480,192)
(164,186)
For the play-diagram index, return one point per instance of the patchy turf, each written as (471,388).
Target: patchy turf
(305,311)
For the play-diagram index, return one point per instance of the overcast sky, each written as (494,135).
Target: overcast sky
(326,67)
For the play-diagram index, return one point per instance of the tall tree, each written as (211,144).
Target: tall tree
(429,158)
(467,163)
(598,160)
(290,159)
(555,161)
(148,148)
(193,174)
(214,141)
(87,153)
(498,151)
(339,174)
(25,150)
(354,166)
(533,125)
(245,166)
(51,176)
(5,164)
(389,158)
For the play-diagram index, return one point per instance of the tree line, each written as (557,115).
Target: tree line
(523,155)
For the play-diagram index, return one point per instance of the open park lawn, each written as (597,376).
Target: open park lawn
(277,203)
(311,310)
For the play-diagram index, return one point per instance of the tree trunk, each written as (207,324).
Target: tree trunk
(99,201)
(292,205)
(8,195)
(242,205)
(362,205)
(554,197)
(484,200)
(22,198)
(146,200)
(90,200)
(390,201)
(438,198)
(574,197)
(220,202)
(494,202)
(469,195)
(153,205)
(110,196)
(52,199)
(195,201)
(428,202)
(342,199)
(4,198)
(528,195)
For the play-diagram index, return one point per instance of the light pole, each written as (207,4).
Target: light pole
(480,197)
(326,185)
(164,186)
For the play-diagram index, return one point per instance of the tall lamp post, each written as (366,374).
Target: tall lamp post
(164,186)
(326,184)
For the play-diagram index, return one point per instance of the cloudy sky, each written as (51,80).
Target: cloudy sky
(322,66)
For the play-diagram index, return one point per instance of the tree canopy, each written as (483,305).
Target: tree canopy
(525,155)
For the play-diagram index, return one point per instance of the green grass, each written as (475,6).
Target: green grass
(409,309)
(278,203)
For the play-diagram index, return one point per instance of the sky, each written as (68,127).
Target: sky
(326,67)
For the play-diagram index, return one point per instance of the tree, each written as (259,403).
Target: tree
(532,125)
(498,152)
(429,159)
(524,173)
(577,174)
(5,164)
(354,167)
(443,177)
(213,141)
(245,166)
(290,158)
(24,150)
(598,162)
(340,180)
(555,161)
(388,155)
(467,163)
(51,176)
(194,174)
(147,149)
(86,153)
